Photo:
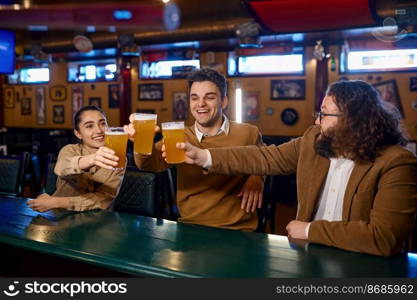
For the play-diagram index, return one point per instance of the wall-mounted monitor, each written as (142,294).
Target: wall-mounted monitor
(7,56)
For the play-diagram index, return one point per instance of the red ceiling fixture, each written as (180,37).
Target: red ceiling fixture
(312,15)
(70,16)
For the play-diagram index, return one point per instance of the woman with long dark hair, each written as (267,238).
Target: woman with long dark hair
(87,178)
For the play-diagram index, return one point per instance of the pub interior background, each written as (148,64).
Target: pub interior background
(278,61)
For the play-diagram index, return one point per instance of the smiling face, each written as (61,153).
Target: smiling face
(207,105)
(91,129)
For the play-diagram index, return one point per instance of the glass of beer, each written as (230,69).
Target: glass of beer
(173,133)
(144,125)
(116,139)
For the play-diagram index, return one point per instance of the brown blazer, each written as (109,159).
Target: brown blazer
(380,201)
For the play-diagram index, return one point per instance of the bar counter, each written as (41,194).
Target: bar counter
(148,247)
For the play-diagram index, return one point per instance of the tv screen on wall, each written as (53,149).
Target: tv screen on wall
(7,57)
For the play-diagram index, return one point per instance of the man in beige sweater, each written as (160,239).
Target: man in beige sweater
(357,187)
(212,200)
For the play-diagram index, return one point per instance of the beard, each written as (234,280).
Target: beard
(323,144)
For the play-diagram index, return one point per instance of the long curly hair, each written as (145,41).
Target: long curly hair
(367,124)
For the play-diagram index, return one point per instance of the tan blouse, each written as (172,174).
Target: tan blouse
(91,189)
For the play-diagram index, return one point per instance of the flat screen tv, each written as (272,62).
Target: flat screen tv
(7,57)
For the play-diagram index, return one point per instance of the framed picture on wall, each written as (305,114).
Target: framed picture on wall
(96,101)
(58,114)
(413,84)
(40,106)
(389,93)
(114,95)
(151,92)
(77,99)
(250,106)
(179,106)
(9,97)
(58,93)
(25,106)
(289,89)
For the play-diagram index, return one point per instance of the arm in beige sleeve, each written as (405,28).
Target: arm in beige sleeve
(256,160)
(102,198)
(154,162)
(68,162)
(391,217)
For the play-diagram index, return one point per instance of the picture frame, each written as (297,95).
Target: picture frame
(96,101)
(58,114)
(413,84)
(179,106)
(114,95)
(250,106)
(58,93)
(26,106)
(389,93)
(288,89)
(151,92)
(9,97)
(77,99)
(40,106)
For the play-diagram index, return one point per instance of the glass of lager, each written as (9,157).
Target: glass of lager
(173,133)
(116,139)
(144,125)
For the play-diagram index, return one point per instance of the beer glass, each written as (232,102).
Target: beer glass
(173,133)
(144,125)
(116,139)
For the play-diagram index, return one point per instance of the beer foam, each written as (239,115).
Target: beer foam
(142,117)
(172,125)
(114,133)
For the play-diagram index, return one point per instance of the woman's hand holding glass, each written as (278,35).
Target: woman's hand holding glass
(105,158)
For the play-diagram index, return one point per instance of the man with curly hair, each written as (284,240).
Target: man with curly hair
(357,185)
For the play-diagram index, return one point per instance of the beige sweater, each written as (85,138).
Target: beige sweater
(380,201)
(95,188)
(209,199)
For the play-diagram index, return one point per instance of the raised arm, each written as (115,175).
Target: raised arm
(256,160)
(71,163)
(154,162)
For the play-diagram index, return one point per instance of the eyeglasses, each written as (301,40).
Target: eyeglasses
(321,114)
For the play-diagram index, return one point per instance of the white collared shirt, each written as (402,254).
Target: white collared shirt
(331,199)
(224,128)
